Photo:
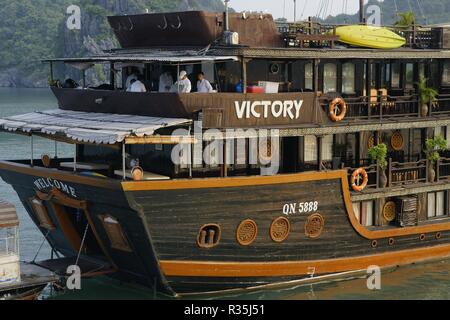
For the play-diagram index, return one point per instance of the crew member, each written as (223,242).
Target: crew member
(132,75)
(203,85)
(137,85)
(183,85)
(165,82)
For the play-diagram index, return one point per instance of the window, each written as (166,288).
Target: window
(310,148)
(309,76)
(436,204)
(364,212)
(395,80)
(41,214)
(327,148)
(348,78)
(115,234)
(329,78)
(409,69)
(446,73)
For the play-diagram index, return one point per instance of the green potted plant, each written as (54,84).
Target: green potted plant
(378,155)
(433,147)
(427,96)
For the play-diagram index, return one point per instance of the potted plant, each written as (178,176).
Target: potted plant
(406,20)
(427,96)
(433,147)
(378,155)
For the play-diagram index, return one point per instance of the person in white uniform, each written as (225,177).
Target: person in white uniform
(137,85)
(132,75)
(203,85)
(183,85)
(165,82)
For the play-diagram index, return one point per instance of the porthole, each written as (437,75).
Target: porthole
(422,237)
(374,244)
(438,235)
(279,230)
(391,241)
(314,226)
(209,236)
(247,232)
(274,68)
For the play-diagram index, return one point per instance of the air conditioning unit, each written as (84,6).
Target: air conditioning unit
(407,214)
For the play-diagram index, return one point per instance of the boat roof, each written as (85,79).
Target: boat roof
(87,127)
(8,215)
(181,56)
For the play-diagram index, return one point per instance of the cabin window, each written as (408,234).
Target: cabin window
(409,70)
(329,78)
(115,234)
(348,78)
(309,76)
(436,204)
(446,74)
(365,213)
(9,241)
(395,75)
(310,148)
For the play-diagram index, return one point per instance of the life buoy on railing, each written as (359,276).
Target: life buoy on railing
(357,185)
(337,109)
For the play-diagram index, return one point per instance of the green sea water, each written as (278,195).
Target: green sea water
(421,281)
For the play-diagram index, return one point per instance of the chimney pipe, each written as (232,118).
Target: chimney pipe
(227,25)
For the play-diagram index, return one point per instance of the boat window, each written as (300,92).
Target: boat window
(395,74)
(348,78)
(446,74)
(364,212)
(115,234)
(436,204)
(8,241)
(329,78)
(409,69)
(327,148)
(309,76)
(310,149)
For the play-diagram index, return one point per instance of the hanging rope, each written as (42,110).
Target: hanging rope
(410,6)
(82,244)
(304,9)
(422,12)
(40,247)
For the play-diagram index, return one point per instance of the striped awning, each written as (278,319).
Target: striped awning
(87,127)
(8,215)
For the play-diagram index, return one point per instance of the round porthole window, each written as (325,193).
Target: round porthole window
(279,230)
(247,232)
(274,68)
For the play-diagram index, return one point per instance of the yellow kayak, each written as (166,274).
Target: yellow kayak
(370,37)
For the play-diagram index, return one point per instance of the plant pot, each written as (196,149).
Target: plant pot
(431,174)
(382,180)
(424,110)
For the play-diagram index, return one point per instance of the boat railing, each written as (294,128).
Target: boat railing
(378,107)
(400,173)
(441,105)
(307,33)
(443,169)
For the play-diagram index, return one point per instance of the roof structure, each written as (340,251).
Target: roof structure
(87,127)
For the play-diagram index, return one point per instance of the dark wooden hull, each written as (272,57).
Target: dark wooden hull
(161,221)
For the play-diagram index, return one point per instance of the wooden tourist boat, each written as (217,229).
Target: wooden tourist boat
(204,227)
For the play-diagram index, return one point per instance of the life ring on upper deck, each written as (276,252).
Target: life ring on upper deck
(356,177)
(337,110)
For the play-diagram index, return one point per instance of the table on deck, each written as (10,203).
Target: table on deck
(149,176)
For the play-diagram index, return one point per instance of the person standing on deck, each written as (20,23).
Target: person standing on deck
(165,82)
(132,75)
(183,85)
(203,85)
(137,85)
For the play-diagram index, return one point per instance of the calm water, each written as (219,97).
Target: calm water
(423,281)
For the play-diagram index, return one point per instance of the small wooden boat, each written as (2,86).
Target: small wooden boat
(18,280)
(370,37)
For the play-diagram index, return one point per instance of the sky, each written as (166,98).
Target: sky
(307,7)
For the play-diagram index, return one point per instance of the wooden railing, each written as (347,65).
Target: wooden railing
(401,174)
(309,33)
(443,171)
(378,107)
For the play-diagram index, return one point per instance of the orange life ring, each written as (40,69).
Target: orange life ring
(358,173)
(332,110)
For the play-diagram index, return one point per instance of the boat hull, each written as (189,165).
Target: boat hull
(162,222)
